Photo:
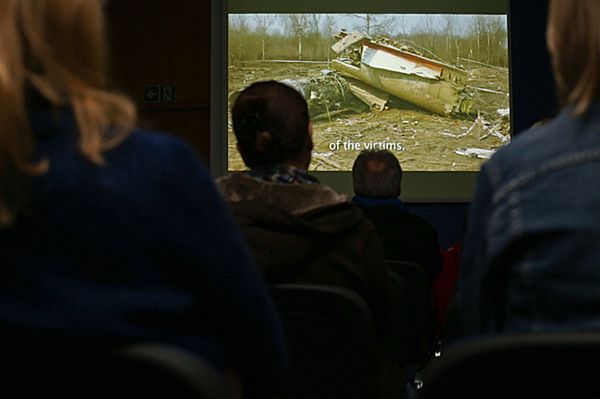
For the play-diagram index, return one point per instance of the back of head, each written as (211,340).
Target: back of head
(377,174)
(271,125)
(57,48)
(573,36)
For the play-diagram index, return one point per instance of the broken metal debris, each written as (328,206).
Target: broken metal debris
(327,95)
(394,69)
(475,152)
(374,73)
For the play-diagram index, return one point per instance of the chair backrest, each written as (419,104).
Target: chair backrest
(149,371)
(331,340)
(547,366)
(397,343)
(420,315)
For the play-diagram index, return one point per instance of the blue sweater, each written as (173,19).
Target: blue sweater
(141,248)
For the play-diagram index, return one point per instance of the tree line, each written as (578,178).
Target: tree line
(308,37)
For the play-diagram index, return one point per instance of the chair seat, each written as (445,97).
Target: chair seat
(331,341)
(134,371)
(547,366)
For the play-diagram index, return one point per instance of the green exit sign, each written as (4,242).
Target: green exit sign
(159,94)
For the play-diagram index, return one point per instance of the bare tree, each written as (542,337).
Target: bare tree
(450,23)
(376,24)
(263,22)
(328,28)
(428,25)
(298,25)
(328,25)
(488,39)
(313,24)
(499,39)
(400,23)
(238,30)
(238,23)
(478,28)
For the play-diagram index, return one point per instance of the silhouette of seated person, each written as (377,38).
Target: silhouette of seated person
(110,234)
(299,230)
(530,259)
(377,179)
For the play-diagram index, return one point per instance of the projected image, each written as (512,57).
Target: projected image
(433,89)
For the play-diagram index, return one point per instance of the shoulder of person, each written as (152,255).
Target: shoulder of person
(157,141)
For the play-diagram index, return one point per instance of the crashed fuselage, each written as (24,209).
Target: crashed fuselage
(429,84)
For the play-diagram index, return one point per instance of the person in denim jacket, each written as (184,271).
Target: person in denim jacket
(532,252)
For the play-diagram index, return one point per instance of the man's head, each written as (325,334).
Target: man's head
(377,174)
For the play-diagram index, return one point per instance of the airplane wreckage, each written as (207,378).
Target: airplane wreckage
(372,73)
(377,71)
(429,84)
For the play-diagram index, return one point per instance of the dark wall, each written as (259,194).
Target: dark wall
(448,219)
(532,85)
(157,42)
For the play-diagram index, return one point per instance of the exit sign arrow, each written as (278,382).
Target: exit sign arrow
(151,94)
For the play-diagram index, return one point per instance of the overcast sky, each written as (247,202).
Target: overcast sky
(402,23)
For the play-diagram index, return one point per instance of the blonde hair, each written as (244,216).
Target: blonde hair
(573,36)
(58,47)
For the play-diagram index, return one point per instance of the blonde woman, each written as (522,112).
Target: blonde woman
(109,233)
(531,252)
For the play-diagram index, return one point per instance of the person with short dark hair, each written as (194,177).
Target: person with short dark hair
(299,229)
(377,179)
(531,253)
(377,174)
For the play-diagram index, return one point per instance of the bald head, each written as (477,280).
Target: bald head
(376,166)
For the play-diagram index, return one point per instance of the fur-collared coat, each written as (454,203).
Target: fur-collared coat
(308,233)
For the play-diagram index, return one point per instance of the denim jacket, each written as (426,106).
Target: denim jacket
(532,249)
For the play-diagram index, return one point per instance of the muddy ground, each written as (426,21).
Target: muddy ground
(422,141)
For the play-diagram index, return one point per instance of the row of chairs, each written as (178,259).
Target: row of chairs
(330,333)
(333,354)
(136,371)
(332,346)
(331,340)
(546,366)
(413,319)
